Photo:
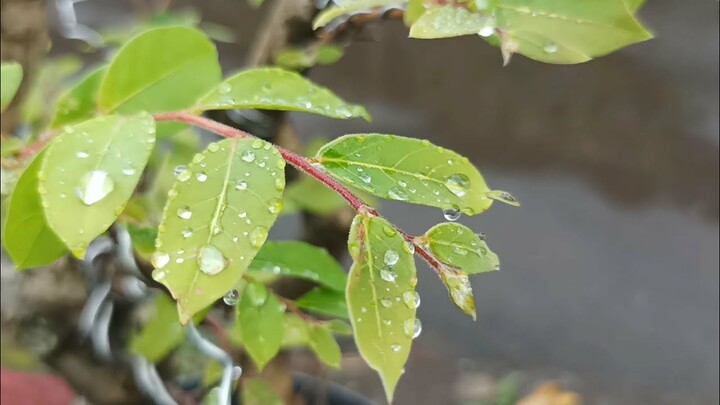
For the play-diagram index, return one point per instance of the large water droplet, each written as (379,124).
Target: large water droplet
(503,196)
(457,184)
(248,156)
(411,299)
(386,302)
(182,173)
(389,231)
(550,47)
(201,177)
(186,233)
(365,177)
(231,298)
(258,236)
(451,214)
(391,257)
(241,185)
(94,186)
(397,193)
(388,274)
(184,212)
(257,144)
(275,206)
(211,260)
(159,259)
(213,147)
(412,328)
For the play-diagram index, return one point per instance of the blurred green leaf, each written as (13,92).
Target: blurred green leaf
(324,301)
(79,103)
(334,12)
(328,54)
(161,334)
(310,195)
(27,236)
(301,260)
(414,10)
(261,322)
(10,146)
(216,219)
(11,74)
(383,271)
(458,246)
(449,21)
(277,89)
(339,327)
(143,239)
(89,173)
(179,64)
(295,331)
(406,169)
(45,87)
(258,392)
(324,345)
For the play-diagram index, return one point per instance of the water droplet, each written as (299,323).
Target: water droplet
(391,257)
(128,171)
(211,260)
(82,155)
(481,236)
(389,231)
(241,185)
(199,157)
(159,259)
(257,293)
(409,247)
(231,298)
(275,206)
(395,348)
(388,274)
(201,177)
(365,177)
(411,299)
(396,193)
(503,196)
(386,302)
(242,214)
(459,250)
(213,147)
(412,328)
(257,144)
(186,233)
(157,276)
(248,156)
(258,236)
(363,310)
(402,184)
(280,163)
(457,184)
(224,88)
(94,186)
(182,173)
(452,214)
(279,184)
(184,212)
(550,47)
(216,229)
(387,322)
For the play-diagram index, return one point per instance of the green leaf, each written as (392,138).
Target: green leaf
(163,69)
(350,7)
(11,74)
(161,334)
(382,275)
(255,3)
(569,31)
(296,58)
(414,10)
(324,301)
(277,89)
(261,320)
(459,289)
(89,173)
(143,239)
(301,260)
(10,146)
(28,239)
(449,21)
(79,103)
(295,331)
(634,5)
(406,169)
(324,345)
(310,195)
(328,54)
(339,327)
(458,246)
(216,219)
(258,392)
(45,87)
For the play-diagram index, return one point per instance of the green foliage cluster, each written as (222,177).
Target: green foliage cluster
(121,153)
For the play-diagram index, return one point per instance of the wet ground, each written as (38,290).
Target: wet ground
(609,276)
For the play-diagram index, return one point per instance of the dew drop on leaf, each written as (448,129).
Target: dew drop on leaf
(388,274)
(231,298)
(365,177)
(128,171)
(248,156)
(458,184)
(550,47)
(159,259)
(224,88)
(503,196)
(201,177)
(182,173)
(82,155)
(184,212)
(275,205)
(241,185)
(257,144)
(391,257)
(386,302)
(258,236)
(411,299)
(94,186)
(397,193)
(412,328)
(389,231)
(186,233)
(213,147)
(395,348)
(211,260)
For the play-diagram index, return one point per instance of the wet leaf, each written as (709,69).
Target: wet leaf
(450,21)
(458,246)
(179,64)
(350,7)
(324,345)
(459,289)
(79,103)
(277,89)
(382,271)
(567,31)
(11,74)
(27,236)
(295,332)
(324,301)
(161,334)
(260,321)
(216,219)
(258,392)
(89,173)
(406,169)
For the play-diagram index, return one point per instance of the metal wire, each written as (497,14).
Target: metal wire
(229,369)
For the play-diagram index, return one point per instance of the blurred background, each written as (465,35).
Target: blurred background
(609,280)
